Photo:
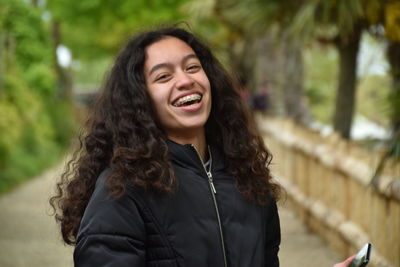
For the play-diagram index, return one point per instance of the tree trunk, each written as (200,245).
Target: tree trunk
(293,83)
(64,79)
(237,56)
(3,66)
(267,75)
(393,54)
(279,72)
(345,97)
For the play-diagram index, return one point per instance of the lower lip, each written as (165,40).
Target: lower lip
(191,108)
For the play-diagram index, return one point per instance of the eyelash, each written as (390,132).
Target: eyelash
(190,68)
(162,77)
(193,67)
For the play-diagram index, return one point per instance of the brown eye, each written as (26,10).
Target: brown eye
(193,68)
(162,77)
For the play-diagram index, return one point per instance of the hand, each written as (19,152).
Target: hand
(345,263)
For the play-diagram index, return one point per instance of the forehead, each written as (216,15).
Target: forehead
(166,50)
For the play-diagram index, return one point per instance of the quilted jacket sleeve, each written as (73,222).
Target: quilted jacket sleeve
(273,238)
(112,232)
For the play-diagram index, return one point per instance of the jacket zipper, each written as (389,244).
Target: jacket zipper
(213,193)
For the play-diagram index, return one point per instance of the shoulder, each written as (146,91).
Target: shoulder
(112,231)
(271,208)
(106,214)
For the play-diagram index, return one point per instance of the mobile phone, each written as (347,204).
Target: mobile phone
(362,257)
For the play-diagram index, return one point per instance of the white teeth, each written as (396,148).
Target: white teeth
(188,98)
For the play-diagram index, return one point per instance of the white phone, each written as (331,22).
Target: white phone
(362,257)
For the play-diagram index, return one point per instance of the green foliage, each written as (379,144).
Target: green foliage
(41,77)
(21,164)
(373,98)
(321,80)
(62,121)
(10,130)
(26,33)
(89,74)
(35,127)
(28,140)
(328,18)
(93,28)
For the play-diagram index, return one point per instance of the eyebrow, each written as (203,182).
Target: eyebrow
(162,65)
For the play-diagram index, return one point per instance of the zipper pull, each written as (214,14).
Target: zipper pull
(210,179)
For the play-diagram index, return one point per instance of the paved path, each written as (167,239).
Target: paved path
(29,236)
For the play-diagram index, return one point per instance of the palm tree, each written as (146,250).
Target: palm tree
(339,23)
(262,50)
(391,22)
(392,34)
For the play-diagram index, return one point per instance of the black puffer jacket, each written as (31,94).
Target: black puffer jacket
(183,229)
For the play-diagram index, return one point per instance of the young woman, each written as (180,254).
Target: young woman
(171,171)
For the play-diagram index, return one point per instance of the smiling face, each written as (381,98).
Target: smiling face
(178,87)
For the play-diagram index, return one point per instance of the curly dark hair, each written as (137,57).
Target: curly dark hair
(123,133)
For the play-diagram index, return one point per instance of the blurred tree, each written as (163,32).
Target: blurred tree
(384,16)
(339,23)
(64,76)
(95,28)
(275,55)
(392,34)
(2,61)
(34,126)
(261,50)
(394,59)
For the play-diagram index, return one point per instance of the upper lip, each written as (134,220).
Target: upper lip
(191,92)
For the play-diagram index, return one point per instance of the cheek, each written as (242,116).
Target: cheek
(154,94)
(159,102)
(206,82)
(156,103)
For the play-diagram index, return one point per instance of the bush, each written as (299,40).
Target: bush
(35,126)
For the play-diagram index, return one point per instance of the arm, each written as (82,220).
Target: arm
(273,236)
(112,232)
(109,250)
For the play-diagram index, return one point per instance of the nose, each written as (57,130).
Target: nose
(184,81)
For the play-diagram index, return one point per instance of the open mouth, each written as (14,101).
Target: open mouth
(188,100)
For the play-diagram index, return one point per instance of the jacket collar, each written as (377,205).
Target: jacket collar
(187,156)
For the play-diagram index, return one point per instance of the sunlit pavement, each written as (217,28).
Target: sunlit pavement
(29,237)
(300,247)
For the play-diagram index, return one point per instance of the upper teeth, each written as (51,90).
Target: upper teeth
(187,98)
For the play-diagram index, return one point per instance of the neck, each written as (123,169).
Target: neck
(198,141)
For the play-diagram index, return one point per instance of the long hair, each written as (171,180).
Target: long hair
(123,133)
